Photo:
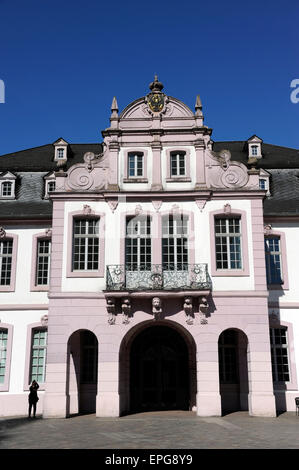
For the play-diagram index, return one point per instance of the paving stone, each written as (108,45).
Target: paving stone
(158,430)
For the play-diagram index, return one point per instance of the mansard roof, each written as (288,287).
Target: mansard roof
(32,165)
(42,158)
(273,156)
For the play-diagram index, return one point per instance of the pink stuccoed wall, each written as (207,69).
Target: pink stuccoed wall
(68,315)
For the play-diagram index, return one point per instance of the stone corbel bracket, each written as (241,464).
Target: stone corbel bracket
(126,310)
(188,309)
(157,309)
(203,309)
(110,305)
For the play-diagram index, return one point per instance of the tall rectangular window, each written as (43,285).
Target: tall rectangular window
(177,164)
(279,354)
(3,352)
(135,165)
(38,355)
(174,243)
(5,262)
(86,244)
(43,262)
(273,260)
(138,244)
(227,351)
(6,189)
(228,243)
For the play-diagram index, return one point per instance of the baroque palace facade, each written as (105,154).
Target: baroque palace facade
(153,271)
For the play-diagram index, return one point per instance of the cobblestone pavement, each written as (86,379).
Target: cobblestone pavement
(156,430)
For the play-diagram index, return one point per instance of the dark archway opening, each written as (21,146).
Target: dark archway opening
(233,371)
(159,371)
(82,372)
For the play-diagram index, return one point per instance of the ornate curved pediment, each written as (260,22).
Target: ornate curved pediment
(91,174)
(222,172)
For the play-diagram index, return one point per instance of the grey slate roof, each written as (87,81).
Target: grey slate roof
(42,158)
(30,166)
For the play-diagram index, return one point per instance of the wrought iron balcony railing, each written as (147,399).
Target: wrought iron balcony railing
(158,277)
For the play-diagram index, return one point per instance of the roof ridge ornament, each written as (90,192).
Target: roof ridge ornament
(156,99)
(156,86)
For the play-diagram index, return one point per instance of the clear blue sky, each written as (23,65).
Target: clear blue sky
(63,61)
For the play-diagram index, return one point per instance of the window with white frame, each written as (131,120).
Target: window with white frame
(3,353)
(6,189)
(60,153)
(279,354)
(228,243)
(38,355)
(43,262)
(273,260)
(135,164)
(254,150)
(138,244)
(51,185)
(6,247)
(262,183)
(177,164)
(85,244)
(174,243)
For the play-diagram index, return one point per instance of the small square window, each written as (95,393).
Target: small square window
(60,153)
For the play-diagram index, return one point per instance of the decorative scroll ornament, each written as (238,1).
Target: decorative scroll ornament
(138,210)
(188,308)
(227,209)
(2,232)
(200,203)
(234,176)
(126,310)
(111,311)
(44,320)
(203,308)
(157,308)
(87,209)
(113,204)
(231,174)
(157,205)
(268,229)
(80,178)
(89,158)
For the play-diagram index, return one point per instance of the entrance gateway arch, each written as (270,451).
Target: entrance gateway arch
(157,369)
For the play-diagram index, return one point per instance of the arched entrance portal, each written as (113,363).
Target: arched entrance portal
(82,372)
(233,370)
(159,370)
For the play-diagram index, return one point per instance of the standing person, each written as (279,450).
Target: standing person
(33,398)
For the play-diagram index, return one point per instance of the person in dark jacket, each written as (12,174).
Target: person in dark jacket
(33,398)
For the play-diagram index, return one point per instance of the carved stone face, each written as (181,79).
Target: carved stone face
(156,302)
(188,300)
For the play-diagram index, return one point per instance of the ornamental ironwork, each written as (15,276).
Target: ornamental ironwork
(158,277)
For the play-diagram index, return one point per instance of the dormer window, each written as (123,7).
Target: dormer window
(6,189)
(263,183)
(254,147)
(177,164)
(60,153)
(7,186)
(50,184)
(61,147)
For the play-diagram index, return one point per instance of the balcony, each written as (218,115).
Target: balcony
(192,277)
